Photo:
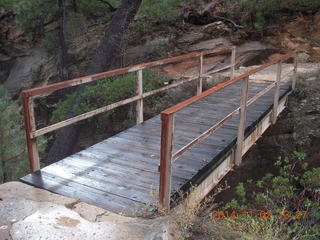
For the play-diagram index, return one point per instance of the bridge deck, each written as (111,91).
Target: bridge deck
(120,174)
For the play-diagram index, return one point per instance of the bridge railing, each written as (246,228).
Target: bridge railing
(167,119)
(28,96)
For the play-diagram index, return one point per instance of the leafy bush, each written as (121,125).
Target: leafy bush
(13,152)
(264,11)
(106,92)
(283,200)
(159,8)
(12,141)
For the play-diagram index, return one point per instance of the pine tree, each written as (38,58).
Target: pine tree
(13,159)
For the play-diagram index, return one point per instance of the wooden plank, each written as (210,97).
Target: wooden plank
(165,162)
(203,150)
(295,72)
(233,62)
(131,175)
(241,129)
(86,79)
(106,182)
(139,92)
(276,93)
(83,116)
(213,177)
(182,174)
(203,135)
(80,192)
(199,83)
(30,125)
(189,101)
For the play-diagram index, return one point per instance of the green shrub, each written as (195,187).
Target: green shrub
(13,153)
(107,91)
(283,200)
(264,11)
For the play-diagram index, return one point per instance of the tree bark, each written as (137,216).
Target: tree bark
(63,63)
(108,56)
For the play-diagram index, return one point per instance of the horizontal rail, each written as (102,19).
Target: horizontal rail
(204,135)
(28,97)
(167,120)
(104,109)
(216,126)
(81,80)
(218,87)
(83,116)
(109,107)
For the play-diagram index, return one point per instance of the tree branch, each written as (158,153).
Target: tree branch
(112,9)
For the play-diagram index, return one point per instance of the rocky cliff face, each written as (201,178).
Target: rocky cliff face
(23,64)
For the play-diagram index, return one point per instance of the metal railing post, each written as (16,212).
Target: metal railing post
(199,83)
(276,93)
(295,71)
(233,62)
(139,92)
(30,126)
(165,162)
(242,121)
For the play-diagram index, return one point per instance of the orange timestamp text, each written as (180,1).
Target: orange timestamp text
(260,214)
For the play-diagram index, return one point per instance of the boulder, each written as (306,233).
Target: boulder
(28,70)
(190,37)
(210,44)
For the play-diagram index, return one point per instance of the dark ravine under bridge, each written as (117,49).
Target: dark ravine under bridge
(193,143)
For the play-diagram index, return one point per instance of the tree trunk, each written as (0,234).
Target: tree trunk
(63,63)
(108,56)
(75,6)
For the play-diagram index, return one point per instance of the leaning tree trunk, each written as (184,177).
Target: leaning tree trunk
(108,56)
(63,63)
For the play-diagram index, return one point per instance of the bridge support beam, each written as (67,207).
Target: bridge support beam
(139,92)
(30,126)
(276,93)
(165,162)
(242,121)
(199,83)
(233,62)
(295,71)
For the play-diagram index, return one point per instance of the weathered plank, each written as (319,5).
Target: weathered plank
(121,172)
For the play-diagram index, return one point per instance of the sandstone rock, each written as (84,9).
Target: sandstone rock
(210,44)
(254,46)
(190,37)
(27,212)
(28,70)
(303,57)
(14,34)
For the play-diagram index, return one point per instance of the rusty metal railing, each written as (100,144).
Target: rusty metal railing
(167,118)
(28,96)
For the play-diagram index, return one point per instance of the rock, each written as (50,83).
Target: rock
(28,70)
(18,190)
(151,48)
(311,79)
(14,34)
(27,212)
(303,57)
(254,46)
(210,44)
(5,67)
(190,37)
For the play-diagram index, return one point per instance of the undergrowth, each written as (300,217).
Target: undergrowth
(283,206)
(108,91)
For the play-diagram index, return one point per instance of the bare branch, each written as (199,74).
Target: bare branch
(112,8)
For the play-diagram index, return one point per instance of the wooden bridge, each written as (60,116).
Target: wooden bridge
(193,143)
